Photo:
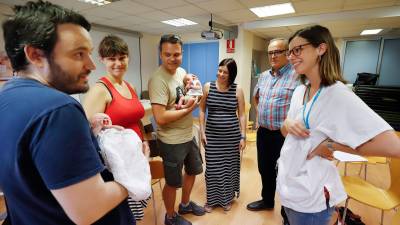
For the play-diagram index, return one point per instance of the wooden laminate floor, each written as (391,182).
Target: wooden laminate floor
(250,191)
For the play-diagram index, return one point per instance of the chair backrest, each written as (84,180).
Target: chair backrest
(366,79)
(156,169)
(396,218)
(384,100)
(395,175)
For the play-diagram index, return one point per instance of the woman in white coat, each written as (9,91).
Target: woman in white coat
(324,116)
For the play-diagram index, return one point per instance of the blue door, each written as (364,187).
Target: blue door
(201,59)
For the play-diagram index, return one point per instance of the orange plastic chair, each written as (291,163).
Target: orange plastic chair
(371,160)
(366,193)
(157,173)
(396,218)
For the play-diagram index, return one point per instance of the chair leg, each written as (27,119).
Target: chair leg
(365,172)
(154,206)
(345,211)
(382,214)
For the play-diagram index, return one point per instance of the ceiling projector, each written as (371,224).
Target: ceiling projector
(212,34)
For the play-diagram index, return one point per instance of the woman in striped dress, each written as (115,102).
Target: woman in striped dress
(223,135)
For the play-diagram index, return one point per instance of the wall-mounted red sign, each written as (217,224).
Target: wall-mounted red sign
(230,46)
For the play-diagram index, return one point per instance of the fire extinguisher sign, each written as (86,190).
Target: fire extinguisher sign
(230,46)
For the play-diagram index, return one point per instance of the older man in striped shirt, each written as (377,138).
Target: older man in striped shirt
(272,95)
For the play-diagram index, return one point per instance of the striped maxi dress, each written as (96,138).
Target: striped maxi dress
(222,150)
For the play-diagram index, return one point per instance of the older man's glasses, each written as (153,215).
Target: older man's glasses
(296,51)
(276,52)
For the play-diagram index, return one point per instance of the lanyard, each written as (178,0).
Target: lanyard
(306,118)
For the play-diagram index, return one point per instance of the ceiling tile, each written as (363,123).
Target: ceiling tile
(92,18)
(128,7)
(366,4)
(258,3)
(317,7)
(197,1)
(221,5)
(157,25)
(73,4)
(113,23)
(241,15)
(133,19)
(102,12)
(385,22)
(157,16)
(162,4)
(123,21)
(204,19)
(187,10)
(344,23)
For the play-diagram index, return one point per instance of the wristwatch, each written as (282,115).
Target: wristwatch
(329,144)
(242,137)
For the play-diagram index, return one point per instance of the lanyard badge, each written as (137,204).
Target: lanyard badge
(306,117)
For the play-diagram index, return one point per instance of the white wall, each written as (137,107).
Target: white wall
(149,57)
(244,46)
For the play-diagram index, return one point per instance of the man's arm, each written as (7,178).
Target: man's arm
(89,200)
(164,116)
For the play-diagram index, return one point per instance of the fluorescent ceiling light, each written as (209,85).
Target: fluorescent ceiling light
(273,10)
(98,2)
(179,22)
(369,32)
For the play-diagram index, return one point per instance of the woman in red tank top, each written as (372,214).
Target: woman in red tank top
(115,97)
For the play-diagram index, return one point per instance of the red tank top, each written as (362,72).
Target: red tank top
(123,111)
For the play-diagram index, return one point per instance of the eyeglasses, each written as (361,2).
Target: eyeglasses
(296,50)
(277,52)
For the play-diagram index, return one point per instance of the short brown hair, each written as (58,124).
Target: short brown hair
(112,45)
(170,38)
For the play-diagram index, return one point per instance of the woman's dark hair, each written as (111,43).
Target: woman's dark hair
(170,38)
(329,62)
(35,24)
(232,68)
(112,45)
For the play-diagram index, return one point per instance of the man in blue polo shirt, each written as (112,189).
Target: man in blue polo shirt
(50,169)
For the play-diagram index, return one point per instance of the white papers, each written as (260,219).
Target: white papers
(347,157)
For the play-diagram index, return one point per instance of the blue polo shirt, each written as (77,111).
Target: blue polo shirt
(46,144)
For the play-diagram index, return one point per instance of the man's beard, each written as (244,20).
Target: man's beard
(64,81)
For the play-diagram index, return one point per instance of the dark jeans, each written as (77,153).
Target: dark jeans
(269,144)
